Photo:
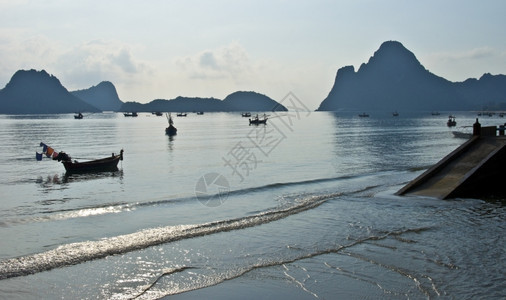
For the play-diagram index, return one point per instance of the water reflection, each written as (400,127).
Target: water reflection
(68,178)
(38,117)
(61,182)
(50,183)
(386,142)
(102,115)
(172,138)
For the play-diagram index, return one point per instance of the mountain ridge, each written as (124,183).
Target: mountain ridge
(103,96)
(37,92)
(32,91)
(394,79)
(237,101)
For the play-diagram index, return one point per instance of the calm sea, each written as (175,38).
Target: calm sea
(301,208)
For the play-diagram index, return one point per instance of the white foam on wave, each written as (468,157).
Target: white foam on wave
(75,253)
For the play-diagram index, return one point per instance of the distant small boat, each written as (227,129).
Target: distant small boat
(132,114)
(246,115)
(256,120)
(363,115)
(451,121)
(78,116)
(158,113)
(171,130)
(200,113)
(435,113)
(395,114)
(99,165)
(181,114)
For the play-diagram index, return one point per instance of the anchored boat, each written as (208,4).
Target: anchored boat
(256,120)
(451,121)
(99,165)
(171,130)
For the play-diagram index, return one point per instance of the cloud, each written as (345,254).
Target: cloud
(125,61)
(471,63)
(18,47)
(207,60)
(223,70)
(229,62)
(78,66)
(479,53)
(20,50)
(89,63)
(473,54)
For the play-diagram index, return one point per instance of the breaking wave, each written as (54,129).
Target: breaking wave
(75,253)
(29,215)
(424,286)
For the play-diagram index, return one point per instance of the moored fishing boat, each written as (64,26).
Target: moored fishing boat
(73,166)
(451,121)
(98,165)
(256,120)
(171,130)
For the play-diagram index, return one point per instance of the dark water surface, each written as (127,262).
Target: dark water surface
(301,208)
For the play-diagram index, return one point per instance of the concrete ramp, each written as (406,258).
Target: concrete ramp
(476,169)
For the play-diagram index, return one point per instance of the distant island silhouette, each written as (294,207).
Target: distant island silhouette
(103,96)
(393,79)
(238,101)
(37,92)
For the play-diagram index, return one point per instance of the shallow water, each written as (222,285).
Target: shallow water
(301,208)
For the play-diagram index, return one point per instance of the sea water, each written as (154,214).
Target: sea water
(301,208)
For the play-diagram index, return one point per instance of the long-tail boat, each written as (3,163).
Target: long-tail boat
(256,120)
(171,130)
(99,165)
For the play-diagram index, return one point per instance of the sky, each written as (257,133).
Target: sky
(162,49)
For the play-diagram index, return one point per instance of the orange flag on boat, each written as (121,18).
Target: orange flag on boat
(49,151)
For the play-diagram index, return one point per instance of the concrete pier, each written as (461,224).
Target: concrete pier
(476,169)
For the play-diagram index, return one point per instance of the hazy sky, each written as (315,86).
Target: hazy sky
(164,49)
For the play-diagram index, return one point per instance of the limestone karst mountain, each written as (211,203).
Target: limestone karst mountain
(103,96)
(394,79)
(37,92)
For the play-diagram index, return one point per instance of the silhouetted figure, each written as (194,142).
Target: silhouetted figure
(476,128)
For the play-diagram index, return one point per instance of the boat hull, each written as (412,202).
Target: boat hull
(99,165)
(171,130)
(257,122)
